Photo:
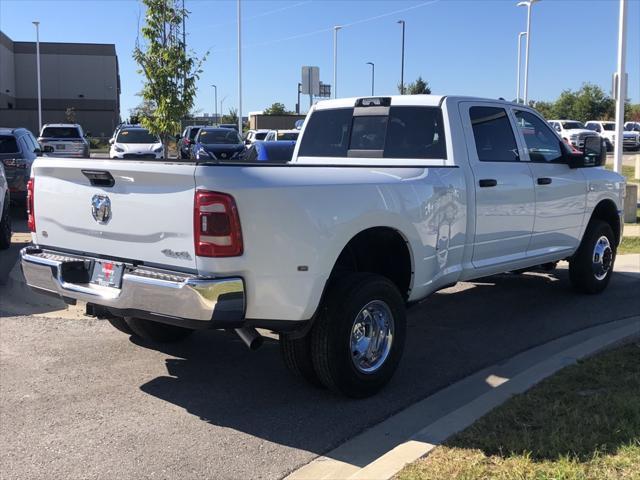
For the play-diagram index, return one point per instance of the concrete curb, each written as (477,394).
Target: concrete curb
(383,450)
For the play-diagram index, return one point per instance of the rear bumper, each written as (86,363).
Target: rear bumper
(165,296)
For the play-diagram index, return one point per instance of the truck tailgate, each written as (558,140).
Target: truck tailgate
(150,209)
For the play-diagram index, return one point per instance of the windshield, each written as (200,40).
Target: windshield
(219,137)
(193,132)
(572,125)
(60,132)
(260,135)
(287,135)
(8,144)
(138,135)
(609,126)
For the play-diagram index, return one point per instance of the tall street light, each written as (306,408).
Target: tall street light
(373,75)
(520,35)
(239,73)
(528,4)
(215,102)
(401,22)
(37,24)
(335,60)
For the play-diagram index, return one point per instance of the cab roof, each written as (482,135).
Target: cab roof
(409,100)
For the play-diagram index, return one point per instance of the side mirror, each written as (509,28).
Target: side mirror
(47,149)
(38,152)
(112,141)
(247,142)
(593,154)
(178,137)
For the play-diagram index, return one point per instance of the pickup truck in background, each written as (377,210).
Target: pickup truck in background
(572,131)
(385,201)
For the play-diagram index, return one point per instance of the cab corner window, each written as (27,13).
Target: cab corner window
(542,144)
(493,135)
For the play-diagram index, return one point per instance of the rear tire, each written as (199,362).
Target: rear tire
(357,339)
(155,331)
(296,354)
(591,267)
(5,225)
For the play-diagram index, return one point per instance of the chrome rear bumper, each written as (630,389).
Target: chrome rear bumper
(159,293)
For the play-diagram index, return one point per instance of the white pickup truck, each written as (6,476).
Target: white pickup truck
(386,200)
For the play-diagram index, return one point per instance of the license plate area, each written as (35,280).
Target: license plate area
(107,274)
(60,147)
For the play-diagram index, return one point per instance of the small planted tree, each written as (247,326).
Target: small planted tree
(170,71)
(231,117)
(70,115)
(276,109)
(419,87)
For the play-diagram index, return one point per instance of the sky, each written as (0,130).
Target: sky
(462,47)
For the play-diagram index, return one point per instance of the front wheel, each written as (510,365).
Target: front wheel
(591,267)
(358,338)
(157,332)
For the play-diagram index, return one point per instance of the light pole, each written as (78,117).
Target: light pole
(621,87)
(222,109)
(373,75)
(520,35)
(215,102)
(335,60)
(528,4)
(401,22)
(239,73)
(37,24)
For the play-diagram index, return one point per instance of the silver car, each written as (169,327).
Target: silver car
(65,140)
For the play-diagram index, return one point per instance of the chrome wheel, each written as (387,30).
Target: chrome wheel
(602,258)
(372,336)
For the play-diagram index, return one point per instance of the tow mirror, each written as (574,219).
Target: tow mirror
(593,154)
(47,149)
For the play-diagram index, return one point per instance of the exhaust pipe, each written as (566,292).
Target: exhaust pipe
(250,337)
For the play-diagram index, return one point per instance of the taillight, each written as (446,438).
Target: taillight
(216,225)
(31,215)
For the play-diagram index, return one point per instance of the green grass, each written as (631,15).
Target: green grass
(629,245)
(628,171)
(581,424)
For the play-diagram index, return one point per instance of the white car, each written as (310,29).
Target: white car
(5,217)
(385,201)
(632,126)
(253,136)
(64,140)
(572,131)
(136,143)
(279,135)
(607,130)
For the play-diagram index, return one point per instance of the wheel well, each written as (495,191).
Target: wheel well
(607,211)
(380,250)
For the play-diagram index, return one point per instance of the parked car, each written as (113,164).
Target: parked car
(253,136)
(572,131)
(232,126)
(136,143)
(273,152)
(187,140)
(66,140)
(18,149)
(385,201)
(632,126)
(5,216)
(217,144)
(607,130)
(279,135)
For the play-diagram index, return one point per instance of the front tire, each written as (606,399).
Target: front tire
(591,267)
(157,332)
(358,338)
(5,226)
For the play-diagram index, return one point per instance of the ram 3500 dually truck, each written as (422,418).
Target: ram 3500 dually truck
(386,200)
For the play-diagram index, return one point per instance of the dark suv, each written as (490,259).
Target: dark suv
(186,140)
(18,149)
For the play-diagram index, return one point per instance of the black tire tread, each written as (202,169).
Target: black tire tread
(296,354)
(580,273)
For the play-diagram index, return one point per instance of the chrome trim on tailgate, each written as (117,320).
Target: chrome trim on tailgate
(159,292)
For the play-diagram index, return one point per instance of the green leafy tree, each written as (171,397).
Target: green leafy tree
(276,109)
(231,117)
(546,109)
(144,109)
(170,71)
(419,87)
(632,113)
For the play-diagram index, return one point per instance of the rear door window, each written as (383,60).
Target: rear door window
(493,135)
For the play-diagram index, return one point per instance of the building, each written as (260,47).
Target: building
(78,80)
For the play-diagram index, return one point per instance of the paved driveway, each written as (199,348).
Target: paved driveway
(79,399)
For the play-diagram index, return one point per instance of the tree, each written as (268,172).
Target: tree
(231,117)
(170,72)
(144,109)
(70,115)
(419,87)
(276,109)
(590,102)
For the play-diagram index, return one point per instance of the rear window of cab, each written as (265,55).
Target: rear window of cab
(405,132)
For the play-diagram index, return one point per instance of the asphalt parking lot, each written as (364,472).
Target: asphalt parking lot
(79,399)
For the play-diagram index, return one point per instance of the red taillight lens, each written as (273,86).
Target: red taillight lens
(31,215)
(216,225)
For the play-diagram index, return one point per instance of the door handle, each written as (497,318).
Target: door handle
(488,182)
(544,181)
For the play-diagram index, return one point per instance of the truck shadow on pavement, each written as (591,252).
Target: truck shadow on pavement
(451,335)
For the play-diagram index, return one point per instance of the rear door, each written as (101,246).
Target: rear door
(560,191)
(149,209)
(505,197)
